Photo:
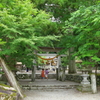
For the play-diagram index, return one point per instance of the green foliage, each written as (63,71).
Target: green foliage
(24,28)
(84,27)
(64,61)
(2,42)
(76,36)
(62,9)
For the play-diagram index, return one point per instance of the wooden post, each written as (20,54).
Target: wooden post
(56,73)
(33,76)
(33,72)
(34,68)
(58,64)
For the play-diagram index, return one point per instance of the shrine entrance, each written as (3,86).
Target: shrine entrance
(51,60)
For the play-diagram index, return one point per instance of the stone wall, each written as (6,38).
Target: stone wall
(71,77)
(78,78)
(38,76)
(74,77)
(50,76)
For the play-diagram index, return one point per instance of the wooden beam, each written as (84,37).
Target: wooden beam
(50,55)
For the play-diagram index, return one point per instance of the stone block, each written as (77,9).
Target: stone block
(84,88)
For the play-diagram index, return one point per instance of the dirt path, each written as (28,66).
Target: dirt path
(63,94)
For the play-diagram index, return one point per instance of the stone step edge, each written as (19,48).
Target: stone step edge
(35,88)
(48,85)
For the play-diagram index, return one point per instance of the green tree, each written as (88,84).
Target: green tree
(61,10)
(84,24)
(2,42)
(22,26)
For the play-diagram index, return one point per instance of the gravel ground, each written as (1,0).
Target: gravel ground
(61,94)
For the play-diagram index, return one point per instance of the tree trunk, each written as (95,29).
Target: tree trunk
(33,74)
(11,78)
(72,67)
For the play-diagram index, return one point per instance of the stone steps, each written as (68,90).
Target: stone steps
(45,87)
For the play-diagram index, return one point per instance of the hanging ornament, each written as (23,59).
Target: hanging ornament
(53,63)
(47,62)
(48,58)
(42,61)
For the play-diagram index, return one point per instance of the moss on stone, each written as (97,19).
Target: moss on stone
(7,92)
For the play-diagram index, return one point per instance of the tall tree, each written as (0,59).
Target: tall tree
(61,10)
(22,26)
(84,23)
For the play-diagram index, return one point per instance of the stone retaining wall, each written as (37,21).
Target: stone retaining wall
(50,76)
(74,77)
(38,76)
(78,78)
(71,77)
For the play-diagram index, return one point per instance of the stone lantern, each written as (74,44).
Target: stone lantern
(85,80)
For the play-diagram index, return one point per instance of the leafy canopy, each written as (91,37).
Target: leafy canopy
(24,28)
(84,27)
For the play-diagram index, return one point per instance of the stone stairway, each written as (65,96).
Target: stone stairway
(49,84)
(45,87)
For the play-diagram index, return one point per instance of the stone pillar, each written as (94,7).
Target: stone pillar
(93,83)
(63,74)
